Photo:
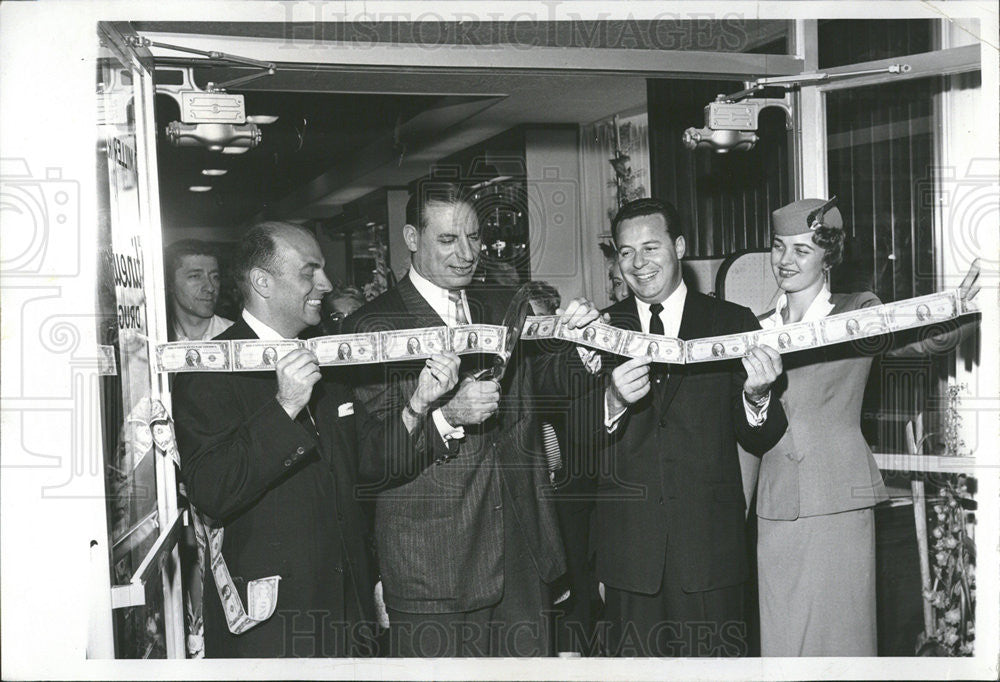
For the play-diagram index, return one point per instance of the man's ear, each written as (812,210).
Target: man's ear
(680,246)
(411,235)
(260,282)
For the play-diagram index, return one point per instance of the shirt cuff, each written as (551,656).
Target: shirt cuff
(756,415)
(447,431)
(611,421)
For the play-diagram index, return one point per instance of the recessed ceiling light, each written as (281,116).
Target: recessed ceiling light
(200,188)
(235,150)
(214,171)
(262,119)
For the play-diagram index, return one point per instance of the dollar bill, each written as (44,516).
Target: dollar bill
(539,327)
(717,348)
(251,355)
(345,349)
(660,348)
(596,335)
(106,365)
(478,338)
(262,597)
(856,324)
(790,338)
(194,356)
(916,312)
(413,343)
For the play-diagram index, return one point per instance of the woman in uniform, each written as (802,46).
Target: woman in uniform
(817,488)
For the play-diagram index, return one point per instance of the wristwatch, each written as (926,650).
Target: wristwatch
(413,413)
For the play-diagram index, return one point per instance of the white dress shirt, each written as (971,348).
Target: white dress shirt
(437,298)
(817,310)
(216,326)
(263,332)
(670,316)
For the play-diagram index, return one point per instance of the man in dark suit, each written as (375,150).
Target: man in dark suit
(271,458)
(668,524)
(466,538)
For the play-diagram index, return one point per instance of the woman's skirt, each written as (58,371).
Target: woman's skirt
(817,585)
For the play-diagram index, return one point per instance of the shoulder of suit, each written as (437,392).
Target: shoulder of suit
(853,301)
(386,302)
(721,305)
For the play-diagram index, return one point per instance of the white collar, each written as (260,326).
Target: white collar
(817,310)
(673,306)
(262,330)
(437,297)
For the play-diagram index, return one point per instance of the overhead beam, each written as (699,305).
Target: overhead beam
(948,62)
(457,58)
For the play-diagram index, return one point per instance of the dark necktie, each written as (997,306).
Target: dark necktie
(658,371)
(655,323)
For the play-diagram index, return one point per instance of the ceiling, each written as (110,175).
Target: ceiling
(345,130)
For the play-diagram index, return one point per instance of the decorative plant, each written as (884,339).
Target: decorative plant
(625,180)
(951,596)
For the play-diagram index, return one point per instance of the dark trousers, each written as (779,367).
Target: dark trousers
(674,623)
(514,626)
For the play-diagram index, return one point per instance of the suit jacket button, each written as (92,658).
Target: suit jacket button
(301,451)
(288,462)
(663,423)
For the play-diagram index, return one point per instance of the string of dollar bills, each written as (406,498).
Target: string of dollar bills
(415,344)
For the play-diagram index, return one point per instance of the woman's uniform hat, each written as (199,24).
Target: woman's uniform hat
(805,215)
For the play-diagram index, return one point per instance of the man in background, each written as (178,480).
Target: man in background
(340,303)
(193,288)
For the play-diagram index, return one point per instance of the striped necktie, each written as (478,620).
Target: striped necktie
(553,455)
(458,307)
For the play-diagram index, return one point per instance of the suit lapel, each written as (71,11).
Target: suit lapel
(421,311)
(625,315)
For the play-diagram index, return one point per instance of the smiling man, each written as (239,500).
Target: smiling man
(270,457)
(466,539)
(193,288)
(668,524)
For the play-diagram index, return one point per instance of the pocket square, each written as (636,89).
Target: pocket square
(345,410)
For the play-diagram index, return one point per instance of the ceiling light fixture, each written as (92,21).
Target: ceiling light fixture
(214,172)
(235,150)
(215,136)
(200,188)
(731,120)
(262,119)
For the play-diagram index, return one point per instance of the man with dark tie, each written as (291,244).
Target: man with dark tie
(466,538)
(270,458)
(668,524)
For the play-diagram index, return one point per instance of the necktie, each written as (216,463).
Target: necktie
(456,302)
(656,327)
(655,323)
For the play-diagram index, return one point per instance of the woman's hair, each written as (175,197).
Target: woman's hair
(831,240)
